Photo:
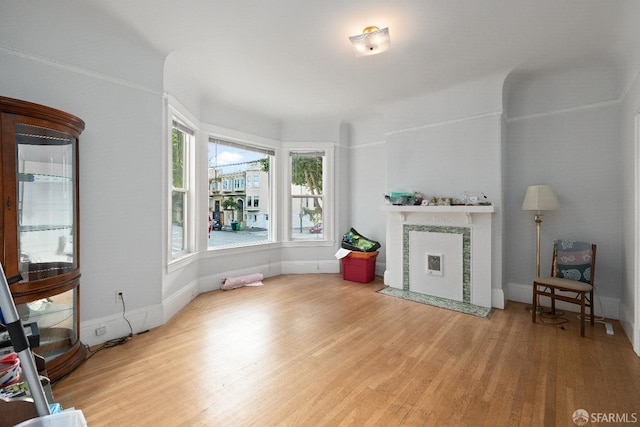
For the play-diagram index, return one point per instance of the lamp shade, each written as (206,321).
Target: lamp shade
(540,198)
(371,42)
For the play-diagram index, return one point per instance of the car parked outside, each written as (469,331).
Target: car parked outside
(317,228)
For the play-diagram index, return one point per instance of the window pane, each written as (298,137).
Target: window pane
(178,157)
(178,240)
(237,217)
(307,195)
(181,141)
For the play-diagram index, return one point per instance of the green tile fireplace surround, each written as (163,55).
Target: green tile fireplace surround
(466,254)
(471,223)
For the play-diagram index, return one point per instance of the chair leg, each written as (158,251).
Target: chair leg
(534,307)
(553,301)
(582,314)
(591,307)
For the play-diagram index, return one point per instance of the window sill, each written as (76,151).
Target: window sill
(239,248)
(178,263)
(182,262)
(307,243)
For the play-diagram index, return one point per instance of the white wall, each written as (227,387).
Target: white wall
(449,142)
(563,130)
(368,177)
(230,117)
(66,56)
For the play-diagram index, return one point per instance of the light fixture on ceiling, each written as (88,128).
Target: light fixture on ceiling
(371,42)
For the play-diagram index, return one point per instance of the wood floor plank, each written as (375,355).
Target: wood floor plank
(314,350)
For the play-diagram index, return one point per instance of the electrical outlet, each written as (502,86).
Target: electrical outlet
(101,330)
(119,296)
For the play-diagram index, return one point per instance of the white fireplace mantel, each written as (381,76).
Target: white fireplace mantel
(427,229)
(467,210)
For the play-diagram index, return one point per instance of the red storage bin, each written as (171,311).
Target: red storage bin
(359,266)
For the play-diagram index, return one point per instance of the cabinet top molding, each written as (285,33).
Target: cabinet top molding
(26,108)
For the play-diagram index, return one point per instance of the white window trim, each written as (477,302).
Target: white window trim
(329,215)
(233,136)
(190,215)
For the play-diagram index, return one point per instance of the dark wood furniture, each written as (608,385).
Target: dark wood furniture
(40,225)
(572,278)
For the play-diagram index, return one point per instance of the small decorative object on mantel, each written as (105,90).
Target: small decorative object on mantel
(484,201)
(440,201)
(417,198)
(400,198)
(466,199)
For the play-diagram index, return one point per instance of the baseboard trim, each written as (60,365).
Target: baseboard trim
(141,319)
(497,298)
(310,267)
(214,281)
(630,326)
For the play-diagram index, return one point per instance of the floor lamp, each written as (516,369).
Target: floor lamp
(539,198)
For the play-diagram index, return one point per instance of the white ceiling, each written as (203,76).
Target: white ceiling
(292,58)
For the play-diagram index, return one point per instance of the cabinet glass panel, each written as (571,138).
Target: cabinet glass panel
(46,201)
(56,320)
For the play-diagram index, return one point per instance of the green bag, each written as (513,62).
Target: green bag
(355,241)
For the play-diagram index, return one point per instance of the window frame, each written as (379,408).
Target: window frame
(254,144)
(328,191)
(178,121)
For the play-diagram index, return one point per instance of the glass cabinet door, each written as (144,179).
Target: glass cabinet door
(56,320)
(46,210)
(46,201)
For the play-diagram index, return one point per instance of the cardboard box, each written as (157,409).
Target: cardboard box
(359,266)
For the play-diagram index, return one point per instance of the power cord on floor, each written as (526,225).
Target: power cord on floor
(597,319)
(116,341)
(557,318)
(105,345)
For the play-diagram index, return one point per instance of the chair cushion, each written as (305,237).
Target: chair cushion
(574,260)
(560,283)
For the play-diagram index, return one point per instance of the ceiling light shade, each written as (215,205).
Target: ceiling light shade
(540,198)
(371,42)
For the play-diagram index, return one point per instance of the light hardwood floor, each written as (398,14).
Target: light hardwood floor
(313,350)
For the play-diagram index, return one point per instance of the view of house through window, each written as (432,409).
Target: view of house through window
(181,141)
(307,194)
(239,193)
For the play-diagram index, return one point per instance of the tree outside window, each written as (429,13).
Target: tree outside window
(307,194)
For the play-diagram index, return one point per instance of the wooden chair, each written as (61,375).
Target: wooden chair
(572,271)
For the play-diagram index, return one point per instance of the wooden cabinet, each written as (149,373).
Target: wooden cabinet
(40,225)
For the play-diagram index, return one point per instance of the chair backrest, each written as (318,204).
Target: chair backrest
(574,260)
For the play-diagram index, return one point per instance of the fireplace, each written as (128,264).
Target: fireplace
(441,251)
